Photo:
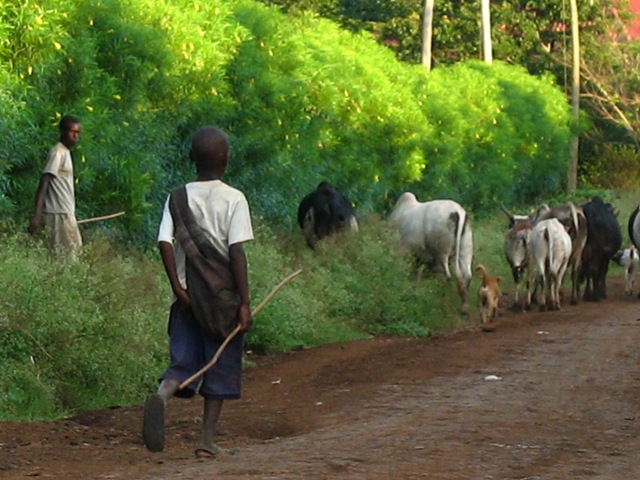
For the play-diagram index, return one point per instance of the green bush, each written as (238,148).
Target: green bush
(77,335)
(502,136)
(351,285)
(302,100)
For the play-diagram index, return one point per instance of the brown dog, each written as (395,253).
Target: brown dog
(488,295)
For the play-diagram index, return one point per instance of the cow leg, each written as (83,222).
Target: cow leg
(534,293)
(551,285)
(443,262)
(587,288)
(628,282)
(596,294)
(632,280)
(516,300)
(463,290)
(598,288)
(543,282)
(556,287)
(527,303)
(575,285)
(553,293)
(418,268)
(308,229)
(605,269)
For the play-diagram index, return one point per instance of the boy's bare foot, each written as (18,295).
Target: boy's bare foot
(210,451)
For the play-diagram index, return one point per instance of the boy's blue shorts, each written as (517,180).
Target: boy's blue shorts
(191,350)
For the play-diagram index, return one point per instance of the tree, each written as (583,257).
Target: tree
(572,180)
(523,32)
(487,52)
(427,33)
(611,87)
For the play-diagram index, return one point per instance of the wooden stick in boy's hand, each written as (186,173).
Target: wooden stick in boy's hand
(97,219)
(236,330)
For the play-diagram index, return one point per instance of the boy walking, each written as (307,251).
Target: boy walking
(203,228)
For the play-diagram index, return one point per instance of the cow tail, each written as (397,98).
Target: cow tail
(574,220)
(460,227)
(630,225)
(550,250)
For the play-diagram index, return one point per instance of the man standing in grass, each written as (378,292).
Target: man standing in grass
(56,196)
(201,236)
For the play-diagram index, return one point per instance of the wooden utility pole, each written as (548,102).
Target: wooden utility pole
(487,48)
(427,34)
(572,174)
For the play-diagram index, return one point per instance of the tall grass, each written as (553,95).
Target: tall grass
(77,334)
(352,285)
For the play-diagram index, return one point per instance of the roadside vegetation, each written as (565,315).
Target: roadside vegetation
(92,334)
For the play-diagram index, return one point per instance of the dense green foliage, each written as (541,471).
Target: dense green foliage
(535,35)
(302,100)
(76,335)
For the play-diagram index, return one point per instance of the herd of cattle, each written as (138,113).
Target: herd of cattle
(540,248)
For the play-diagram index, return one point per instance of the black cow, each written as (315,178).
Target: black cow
(324,212)
(604,239)
(634,231)
(634,227)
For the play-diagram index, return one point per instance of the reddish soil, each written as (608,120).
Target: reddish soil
(547,395)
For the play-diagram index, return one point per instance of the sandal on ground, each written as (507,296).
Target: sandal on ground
(153,423)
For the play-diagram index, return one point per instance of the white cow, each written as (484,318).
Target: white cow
(549,249)
(573,218)
(628,259)
(434,232)
(517,255)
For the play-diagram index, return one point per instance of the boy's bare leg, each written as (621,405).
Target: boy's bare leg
(167,388)
(210,417)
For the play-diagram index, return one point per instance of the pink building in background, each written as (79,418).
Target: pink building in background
(634,26)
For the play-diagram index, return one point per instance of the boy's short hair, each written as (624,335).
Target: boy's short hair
(209,147)
(67,121)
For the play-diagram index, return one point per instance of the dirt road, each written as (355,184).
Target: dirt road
(551,395)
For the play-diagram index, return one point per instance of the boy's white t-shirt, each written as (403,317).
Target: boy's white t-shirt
(60,197)
(221,210)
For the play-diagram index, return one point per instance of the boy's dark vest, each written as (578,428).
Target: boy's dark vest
(210,283)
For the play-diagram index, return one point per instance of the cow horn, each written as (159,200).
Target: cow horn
(507,212)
